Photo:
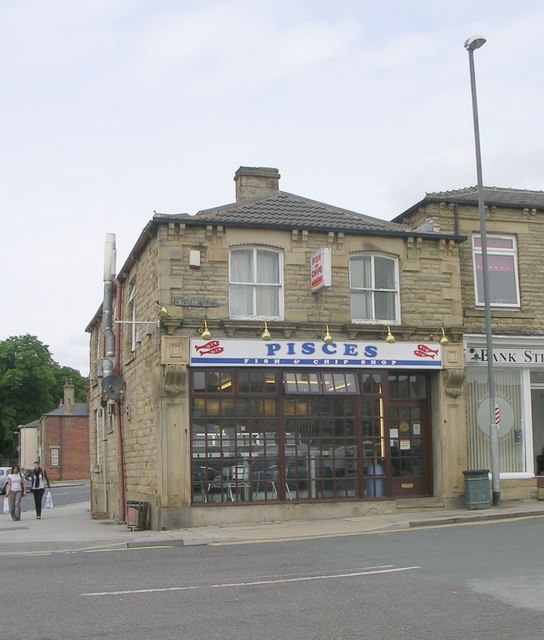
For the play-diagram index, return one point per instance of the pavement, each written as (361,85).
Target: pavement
(70,528)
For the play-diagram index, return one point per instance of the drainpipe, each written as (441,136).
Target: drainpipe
(104,450)
(112,362)
(107,306)
(456,219)
(109,336)
(120,424)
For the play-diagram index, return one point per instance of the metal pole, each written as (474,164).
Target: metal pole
(470,45)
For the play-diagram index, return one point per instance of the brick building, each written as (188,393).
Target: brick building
(63,439)
(515,234)
(278,358)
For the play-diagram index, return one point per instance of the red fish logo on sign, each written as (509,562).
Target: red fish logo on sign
(213,346)
(423,351)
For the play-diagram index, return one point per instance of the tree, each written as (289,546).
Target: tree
(80,383)
(31,384)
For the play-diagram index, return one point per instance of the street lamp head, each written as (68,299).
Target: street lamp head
(474,42)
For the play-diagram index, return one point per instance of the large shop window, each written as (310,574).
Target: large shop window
(503,271)
(278,435)
(255,283)
(374,293)
(509,416)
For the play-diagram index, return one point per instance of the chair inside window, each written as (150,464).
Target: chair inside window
(237,481)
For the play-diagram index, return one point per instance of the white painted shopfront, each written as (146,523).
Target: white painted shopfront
(519,410)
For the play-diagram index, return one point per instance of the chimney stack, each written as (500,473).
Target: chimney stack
(69,397)
(255,181)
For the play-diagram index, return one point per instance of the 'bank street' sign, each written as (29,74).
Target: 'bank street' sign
(478,355)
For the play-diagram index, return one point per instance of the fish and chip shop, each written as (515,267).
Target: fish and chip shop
(293,421)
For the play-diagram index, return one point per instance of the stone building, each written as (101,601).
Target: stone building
(278,358)
(515,235)
(28,444)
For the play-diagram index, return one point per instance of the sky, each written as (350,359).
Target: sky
(111,110)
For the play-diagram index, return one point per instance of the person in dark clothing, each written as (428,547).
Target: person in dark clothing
(40,481)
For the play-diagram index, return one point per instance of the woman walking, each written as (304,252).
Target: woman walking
(15,491)
(39,482)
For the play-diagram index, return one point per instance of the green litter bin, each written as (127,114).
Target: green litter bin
(477,492)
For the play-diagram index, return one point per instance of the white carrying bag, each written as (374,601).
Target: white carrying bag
(5,508)
(48,500)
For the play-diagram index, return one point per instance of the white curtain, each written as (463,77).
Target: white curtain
(267,267)
(241,265)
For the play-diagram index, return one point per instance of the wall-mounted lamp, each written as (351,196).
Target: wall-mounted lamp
(264,333)
(389,338)
(205,333)
(444,339)
(326,335)
(162,312)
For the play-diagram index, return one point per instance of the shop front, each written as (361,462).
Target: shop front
(519,405)
(301,421)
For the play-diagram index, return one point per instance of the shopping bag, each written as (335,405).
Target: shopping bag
(5,508)
(48,500)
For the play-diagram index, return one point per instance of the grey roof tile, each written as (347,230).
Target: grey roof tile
(286,210)
(493,196)
(34,423)
(499,196)
(80,409)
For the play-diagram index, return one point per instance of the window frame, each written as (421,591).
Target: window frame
(373,290)
(254,284)
(479,301)
(54,453)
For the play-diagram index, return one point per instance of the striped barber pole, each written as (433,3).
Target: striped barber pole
(497,416)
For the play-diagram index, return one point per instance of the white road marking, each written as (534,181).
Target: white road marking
(230,585)
(118,546)
(26,553)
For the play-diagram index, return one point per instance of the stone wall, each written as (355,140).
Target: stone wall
(153,415)
(429,274)
(527,225)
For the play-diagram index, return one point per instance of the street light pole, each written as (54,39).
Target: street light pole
(473,43)
(18,434)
